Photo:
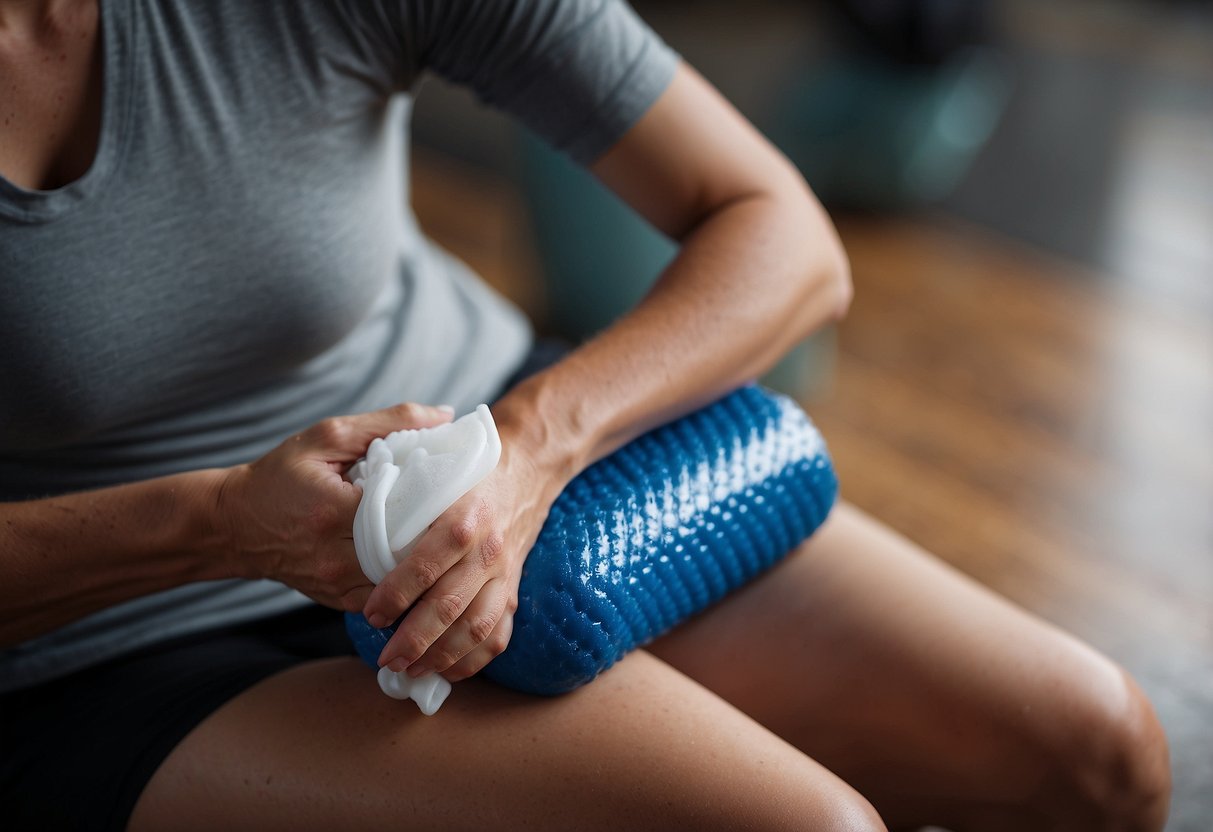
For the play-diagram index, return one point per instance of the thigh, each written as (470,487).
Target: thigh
(78,750)
(642,747)
(937,699)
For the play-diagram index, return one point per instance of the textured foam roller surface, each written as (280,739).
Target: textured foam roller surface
(656,532)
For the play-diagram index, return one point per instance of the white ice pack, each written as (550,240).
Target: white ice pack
(409,478)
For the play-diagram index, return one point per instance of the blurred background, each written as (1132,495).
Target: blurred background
(1024,384)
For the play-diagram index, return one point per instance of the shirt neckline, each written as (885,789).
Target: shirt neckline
(33,205)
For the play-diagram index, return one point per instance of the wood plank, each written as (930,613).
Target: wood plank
(1048,431)
(1063,401)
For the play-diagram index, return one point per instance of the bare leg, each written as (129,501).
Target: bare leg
(941,702)
(644,747)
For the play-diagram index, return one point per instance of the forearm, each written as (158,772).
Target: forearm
(751,280)
(755,275)
(759,268)
(285,517)
(64,557)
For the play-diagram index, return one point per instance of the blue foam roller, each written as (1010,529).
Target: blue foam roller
(654,533)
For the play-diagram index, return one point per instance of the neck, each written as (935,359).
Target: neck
(33,16)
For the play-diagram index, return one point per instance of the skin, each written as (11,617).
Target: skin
(858,666)
(50,97)
(885,671)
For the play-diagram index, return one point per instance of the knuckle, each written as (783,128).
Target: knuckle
(491,548)
(390,598)
(497,643)
(413,645)
(444,657)
(447,608)
(463,532)
(511,604)
(481,628)
(426,572)
(332,431)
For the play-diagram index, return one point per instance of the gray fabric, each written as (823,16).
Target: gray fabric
(241,261)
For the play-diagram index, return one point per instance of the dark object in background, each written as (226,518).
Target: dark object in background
(921,32)
(895,119)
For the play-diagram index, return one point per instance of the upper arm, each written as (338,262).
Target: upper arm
(598,84)
(577,72)
(691,154)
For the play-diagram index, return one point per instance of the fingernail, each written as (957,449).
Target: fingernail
(446,408)
(416,670)
(377,620)
(397,665)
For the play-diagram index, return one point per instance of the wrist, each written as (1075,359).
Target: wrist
(217,521)
(536,428)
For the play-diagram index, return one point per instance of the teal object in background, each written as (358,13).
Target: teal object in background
(872,134)
(600,258)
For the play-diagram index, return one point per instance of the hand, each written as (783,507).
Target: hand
(289,516)
(461,579)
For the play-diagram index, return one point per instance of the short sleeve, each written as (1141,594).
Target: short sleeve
(577,72)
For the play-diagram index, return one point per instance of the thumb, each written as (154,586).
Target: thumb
(405,416)
(345,438)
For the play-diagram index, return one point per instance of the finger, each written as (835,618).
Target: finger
(345,438)
(451,539)
(485,652)
(405,584)
(476,624)
(431,616)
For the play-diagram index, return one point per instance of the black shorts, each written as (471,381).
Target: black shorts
(76,753)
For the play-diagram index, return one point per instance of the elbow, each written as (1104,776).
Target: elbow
(829,269)
(840,289)
(826,267)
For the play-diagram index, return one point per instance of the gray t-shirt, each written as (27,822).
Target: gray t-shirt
(241,261)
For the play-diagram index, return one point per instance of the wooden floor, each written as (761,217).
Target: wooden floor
(1042,428)
(1049,433)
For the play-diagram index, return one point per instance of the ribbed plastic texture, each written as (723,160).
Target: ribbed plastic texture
(656,532)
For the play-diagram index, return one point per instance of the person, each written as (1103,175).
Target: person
(215,296)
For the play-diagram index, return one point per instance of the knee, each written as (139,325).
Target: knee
(849,813)
(862,817)
(1120,764)
(828,805)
